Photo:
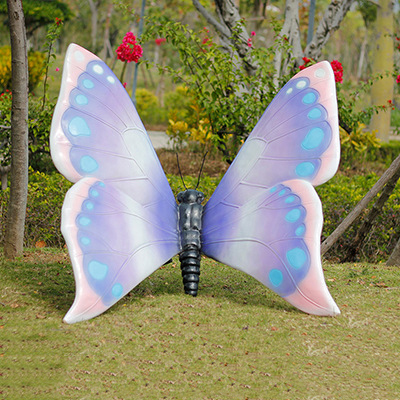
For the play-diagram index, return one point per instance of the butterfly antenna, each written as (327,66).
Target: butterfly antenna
(201,169)
(180,172)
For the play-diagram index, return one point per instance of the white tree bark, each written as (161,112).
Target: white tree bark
(329,23)
(290,30)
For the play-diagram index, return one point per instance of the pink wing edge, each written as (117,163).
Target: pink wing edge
(322,78)
(312,295)
(60,146)
(87,303)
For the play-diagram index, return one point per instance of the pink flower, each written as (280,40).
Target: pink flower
(160,41)
(129,50)
(249,42)
(57,69)
(398,79)
(337,70)
(253,33)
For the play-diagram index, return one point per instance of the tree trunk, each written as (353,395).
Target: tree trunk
(291,30)
(14,237)
(107,50)
(94,8)
(382,89)
(329,23)
(394,258)
(355,213)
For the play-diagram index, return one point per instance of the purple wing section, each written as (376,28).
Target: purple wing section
(275,238)
(265,217)
(98,140)
(114,244)
(296,138)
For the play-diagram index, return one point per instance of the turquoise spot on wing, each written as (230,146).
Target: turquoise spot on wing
(275,277)
(309,98)
(102,184)
(97,270)
(314,113)
(297,257)
(293,215)
(300,230)
(305,169)
(289,199)
(78,127)
(273,189)
(117,290)
(81,99)
(282,192)
(93,192)
(313,139)
(84,221)
(89,205)
(89,164)
(85,241)
(88,84)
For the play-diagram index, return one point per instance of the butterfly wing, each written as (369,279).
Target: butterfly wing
(120,218)
(265,217)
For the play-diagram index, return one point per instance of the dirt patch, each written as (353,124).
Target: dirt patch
(190,163)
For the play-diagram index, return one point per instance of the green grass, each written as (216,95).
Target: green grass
(236,340)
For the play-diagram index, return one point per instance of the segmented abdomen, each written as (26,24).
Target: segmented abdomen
(190,266)
(190,214)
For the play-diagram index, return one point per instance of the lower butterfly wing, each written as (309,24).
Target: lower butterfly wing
(114,243)
(274,237)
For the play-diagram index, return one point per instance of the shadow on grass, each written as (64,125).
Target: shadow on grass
(47,275)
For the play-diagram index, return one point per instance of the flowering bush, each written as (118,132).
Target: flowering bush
(335,64)
(129,50)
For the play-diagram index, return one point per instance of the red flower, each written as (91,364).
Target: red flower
(307,63)
(58,21)
(160,41)
(129,50)
(337,70)
(398,79)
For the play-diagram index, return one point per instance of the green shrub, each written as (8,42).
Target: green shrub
(339,196)
(35,66)
(148,108)
(43,213)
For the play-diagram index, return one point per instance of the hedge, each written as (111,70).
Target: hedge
(339,196)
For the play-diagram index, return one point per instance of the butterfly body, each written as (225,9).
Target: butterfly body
(121,221)
(190,213)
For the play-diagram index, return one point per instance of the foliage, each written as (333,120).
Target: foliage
(45,198)
(37,15)
(358,140)
(147,107)
(339,196)
(230,101)
(235,340)
(35,68)
(39,121)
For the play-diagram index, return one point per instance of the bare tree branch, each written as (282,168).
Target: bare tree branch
(221,29)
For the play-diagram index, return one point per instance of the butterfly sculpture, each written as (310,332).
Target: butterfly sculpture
(121,221)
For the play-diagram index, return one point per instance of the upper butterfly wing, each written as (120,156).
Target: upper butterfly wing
(265,217)
(98,141)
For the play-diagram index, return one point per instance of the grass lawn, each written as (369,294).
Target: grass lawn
(236,340)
